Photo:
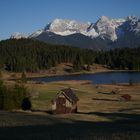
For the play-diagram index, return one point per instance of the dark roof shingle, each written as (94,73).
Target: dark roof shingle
(70,94)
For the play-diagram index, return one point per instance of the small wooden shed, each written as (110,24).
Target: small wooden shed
(65,102)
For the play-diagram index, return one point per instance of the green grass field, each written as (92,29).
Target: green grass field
(100,116)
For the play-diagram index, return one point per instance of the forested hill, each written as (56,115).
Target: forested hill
(33,56)
(30,55)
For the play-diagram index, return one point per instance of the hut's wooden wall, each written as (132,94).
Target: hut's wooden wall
(63,105)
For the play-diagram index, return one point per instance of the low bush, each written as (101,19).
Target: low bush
(12,97)
(26,104)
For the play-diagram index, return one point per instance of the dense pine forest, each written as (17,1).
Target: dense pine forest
(33,56)
(122,59)
(30,55)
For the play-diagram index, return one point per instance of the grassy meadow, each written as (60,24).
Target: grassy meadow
(101,115)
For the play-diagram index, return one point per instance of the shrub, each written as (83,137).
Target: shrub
(23,78)
(19,93)
(26,104)
(12,98)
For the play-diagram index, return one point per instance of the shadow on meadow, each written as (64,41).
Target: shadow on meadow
(126,128)
(116,117)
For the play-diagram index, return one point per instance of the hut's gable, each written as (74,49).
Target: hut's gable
(70,95)
(65,102)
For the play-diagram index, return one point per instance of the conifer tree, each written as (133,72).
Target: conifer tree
(23,78)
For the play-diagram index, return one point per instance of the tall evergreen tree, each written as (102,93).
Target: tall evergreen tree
(23,78)
(78,63)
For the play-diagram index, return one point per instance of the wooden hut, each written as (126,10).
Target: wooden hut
(65,102)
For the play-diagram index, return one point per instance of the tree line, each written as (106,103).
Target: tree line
(30,55)
(33,56)
(122,59)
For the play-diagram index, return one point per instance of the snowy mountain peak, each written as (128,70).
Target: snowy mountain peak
(18,35)
(66,27)
(105,28)
(35,34)
(132,18)
(104,18)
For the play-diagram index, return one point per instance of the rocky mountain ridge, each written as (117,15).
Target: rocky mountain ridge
(68,32)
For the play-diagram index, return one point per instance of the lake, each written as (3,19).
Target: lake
(97,78)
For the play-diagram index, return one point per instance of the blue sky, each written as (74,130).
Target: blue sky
(27,16)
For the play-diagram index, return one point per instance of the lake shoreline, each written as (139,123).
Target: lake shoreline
(59,70)
(43,75)
(104,77)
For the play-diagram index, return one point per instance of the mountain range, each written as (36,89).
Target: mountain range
(106,33)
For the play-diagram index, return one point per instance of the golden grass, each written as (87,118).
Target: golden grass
(90,100)
(97,118)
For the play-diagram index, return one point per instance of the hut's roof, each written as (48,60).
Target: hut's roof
(69,94)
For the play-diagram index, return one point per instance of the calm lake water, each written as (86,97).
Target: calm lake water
(98,78)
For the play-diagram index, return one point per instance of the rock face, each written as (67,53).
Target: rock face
(106,27)
(105,33)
